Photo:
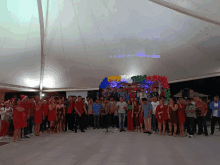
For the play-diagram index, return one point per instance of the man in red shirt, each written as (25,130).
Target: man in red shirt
(79,107)
(202,107)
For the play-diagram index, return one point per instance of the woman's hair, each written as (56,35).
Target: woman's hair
(16,101)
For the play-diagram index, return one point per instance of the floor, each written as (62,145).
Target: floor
(126,148)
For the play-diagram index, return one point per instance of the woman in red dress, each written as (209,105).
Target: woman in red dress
(38,117)
(52,114)
(141,115)
(181,114)
(19,119)
(135,114)
(161,115)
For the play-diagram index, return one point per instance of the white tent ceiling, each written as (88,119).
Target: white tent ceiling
(87,40)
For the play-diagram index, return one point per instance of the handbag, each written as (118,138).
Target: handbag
(7,118)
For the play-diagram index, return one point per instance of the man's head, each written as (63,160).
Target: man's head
(7,104)
(144,100)
(132,90)
(79,98)
(155,89)
(111,98)
(188,100)
(97,101)
(87,99)
(121,99)
(83,100)
(101,98)
(151,99)
(154,99)
(142,89)
(74,98)
(129,86)
(70,98)
(216,98)
(115,90)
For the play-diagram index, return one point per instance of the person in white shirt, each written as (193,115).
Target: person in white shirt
(121,107)
(142,94)
(154,104)
(215,106)
(6,114)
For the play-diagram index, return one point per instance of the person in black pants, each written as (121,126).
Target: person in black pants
(200,105)
(190,118)
(69,105)
(85,115)
(79,107)
(215,106)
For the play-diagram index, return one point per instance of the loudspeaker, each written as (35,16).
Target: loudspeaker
(186,93)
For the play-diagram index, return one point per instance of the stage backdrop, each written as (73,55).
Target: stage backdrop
(77,93)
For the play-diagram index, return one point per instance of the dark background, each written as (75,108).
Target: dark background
(208,86)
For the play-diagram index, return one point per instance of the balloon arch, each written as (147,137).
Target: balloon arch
(136,82)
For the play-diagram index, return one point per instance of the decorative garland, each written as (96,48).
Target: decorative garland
(162,79)
(116,81)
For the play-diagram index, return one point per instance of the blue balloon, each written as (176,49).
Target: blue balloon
(104,83)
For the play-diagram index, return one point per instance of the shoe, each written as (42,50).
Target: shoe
(124,130)
(153,132)
(211,134)
(94,128)
(21,139)
(149,133)
(116,129)
(98,128)
(7,137)
(146,132)
(82,131)
(190,136)
(206,135)
(1,138)
(32,134)
(27,136)
(120,131)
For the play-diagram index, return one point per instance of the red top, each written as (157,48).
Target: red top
(132,95)
(63,102)
(70,108)
(45,109)
(164,115)
(79,105)
(204,107)
(26,106)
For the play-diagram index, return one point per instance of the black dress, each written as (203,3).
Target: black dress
(173,116)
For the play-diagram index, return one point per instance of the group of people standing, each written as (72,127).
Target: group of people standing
(140,111)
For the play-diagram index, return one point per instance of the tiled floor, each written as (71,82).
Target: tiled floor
(126,148)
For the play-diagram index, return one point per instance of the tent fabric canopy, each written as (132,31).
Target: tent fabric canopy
(192,93)
(87,40)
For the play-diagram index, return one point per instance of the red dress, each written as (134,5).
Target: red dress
(52,115)
(181,113)
(164,115)
(38,115)
(141,118)
(19,119)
